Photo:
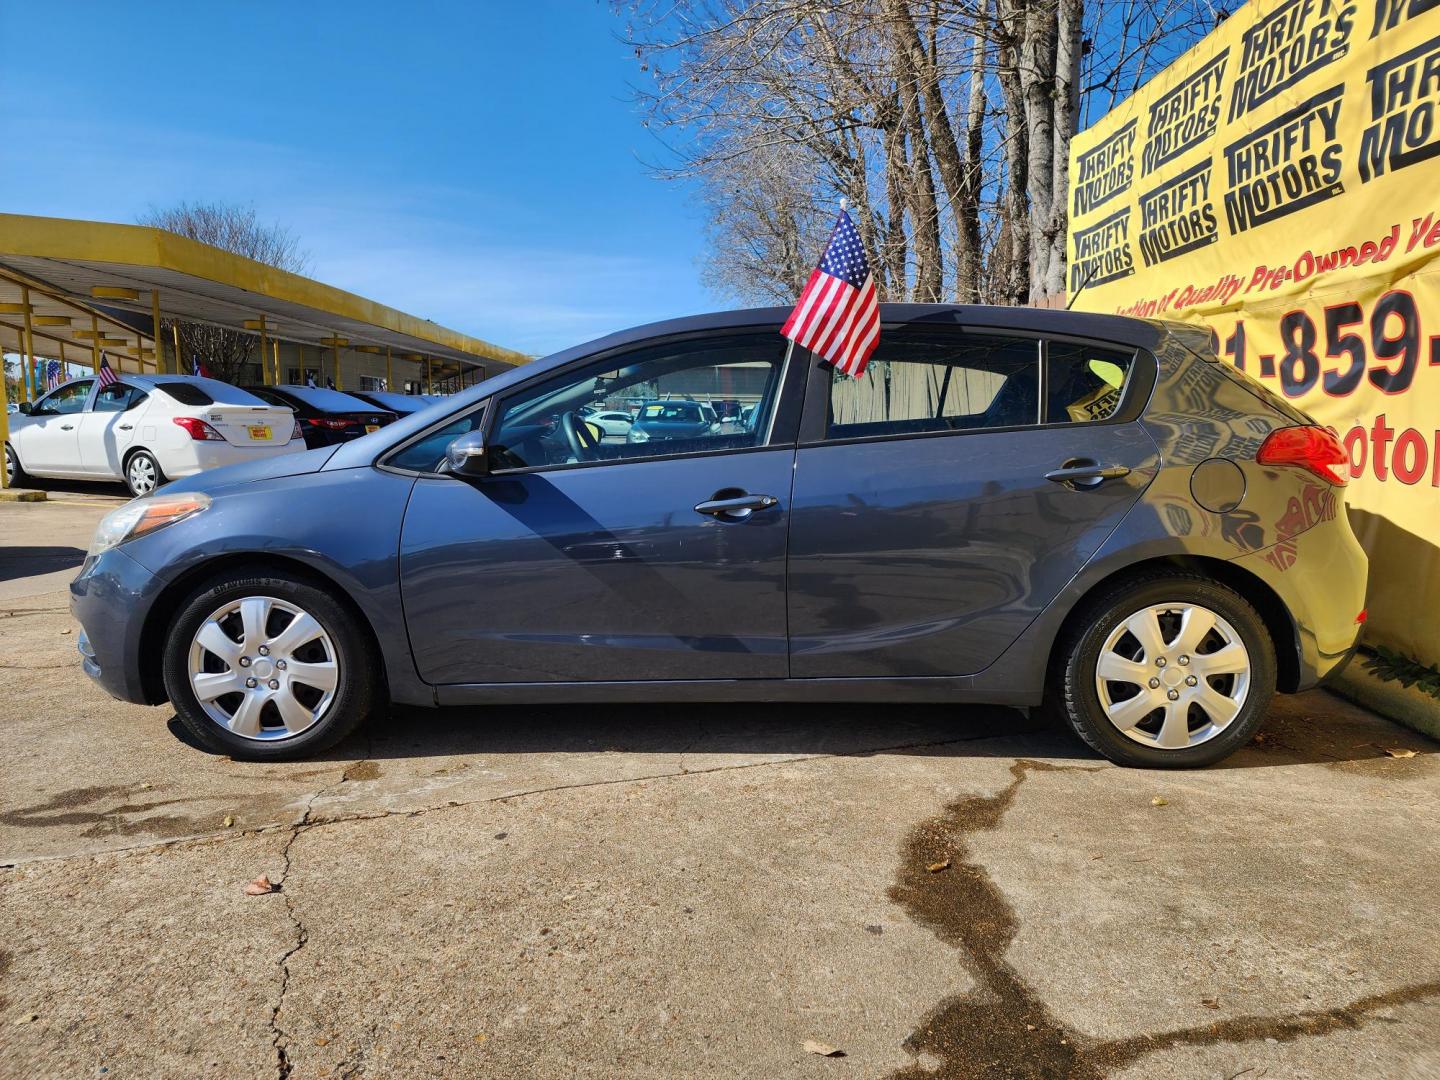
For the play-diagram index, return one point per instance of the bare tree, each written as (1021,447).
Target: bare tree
(237,229)
(947,122)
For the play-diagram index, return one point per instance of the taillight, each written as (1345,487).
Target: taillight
(198,429)
(295,432)
(1315,449)
(327,422)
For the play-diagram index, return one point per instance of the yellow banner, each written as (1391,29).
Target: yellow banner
(1280,184)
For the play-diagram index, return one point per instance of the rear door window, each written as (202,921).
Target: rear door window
(922,381)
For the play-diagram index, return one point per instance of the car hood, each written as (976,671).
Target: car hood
(270,468)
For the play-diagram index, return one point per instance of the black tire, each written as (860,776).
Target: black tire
(160,478)
(16,475)
(358,689)
(1075,696)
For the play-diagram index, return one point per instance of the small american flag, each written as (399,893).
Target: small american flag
(837,315)
(106,374)
(54,374)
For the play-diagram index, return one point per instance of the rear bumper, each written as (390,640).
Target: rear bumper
(1320,574)
(110,600)
(202,455)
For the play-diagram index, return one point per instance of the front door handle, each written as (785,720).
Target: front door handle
(67,427)
(1085,474)
(737,508)
(127,427)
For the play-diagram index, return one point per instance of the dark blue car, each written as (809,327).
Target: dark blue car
(1011,505)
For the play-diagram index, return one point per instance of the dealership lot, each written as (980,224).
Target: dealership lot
(655,891)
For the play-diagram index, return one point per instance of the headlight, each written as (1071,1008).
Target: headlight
(637,434)
(141,516)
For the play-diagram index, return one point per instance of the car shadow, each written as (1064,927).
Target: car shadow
(32,561)
(1314,728)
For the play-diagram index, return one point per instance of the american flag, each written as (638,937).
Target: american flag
(106,374)
(837,315)
(54,374)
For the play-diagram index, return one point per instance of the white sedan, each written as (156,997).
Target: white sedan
(614,424)
(144,430)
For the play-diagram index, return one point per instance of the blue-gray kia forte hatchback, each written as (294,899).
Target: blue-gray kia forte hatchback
(1011,506)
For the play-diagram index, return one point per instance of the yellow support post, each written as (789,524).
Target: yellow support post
(264,348)
(155,332)
(429,377)
(275,355)
(5,419)
(336,347)
(179,363)
(94,343)
(29,331)
(389,375)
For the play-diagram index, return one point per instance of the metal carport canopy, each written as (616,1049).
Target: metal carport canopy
(86,264)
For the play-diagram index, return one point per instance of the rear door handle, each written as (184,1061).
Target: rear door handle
(1086,474)
(67,427)
(127,427)
(738,508)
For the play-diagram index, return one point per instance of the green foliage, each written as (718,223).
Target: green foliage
(1406,670)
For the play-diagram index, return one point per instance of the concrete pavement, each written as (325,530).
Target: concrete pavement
(662,892)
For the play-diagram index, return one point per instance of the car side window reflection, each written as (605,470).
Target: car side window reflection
(937,381)
(681,398)
(117,397)
(67,399)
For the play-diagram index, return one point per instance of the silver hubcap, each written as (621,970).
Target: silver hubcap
(263,668)
(1172,676)
(9,467)
(142,475)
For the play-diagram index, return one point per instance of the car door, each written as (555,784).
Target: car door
(50,441)
(612,561)
(930,518)
(107,428)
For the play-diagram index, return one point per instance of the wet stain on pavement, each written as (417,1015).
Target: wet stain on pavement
(1002,1028)
(362,770)
(127,813)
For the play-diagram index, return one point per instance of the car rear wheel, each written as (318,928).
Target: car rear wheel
(1168,671)
(268,667)
(142,473)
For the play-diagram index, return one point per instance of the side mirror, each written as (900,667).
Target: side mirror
(466,456)
(27,407)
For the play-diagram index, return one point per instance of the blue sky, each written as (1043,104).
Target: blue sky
(478,163)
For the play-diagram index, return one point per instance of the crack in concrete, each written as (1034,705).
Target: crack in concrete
(1003,1028)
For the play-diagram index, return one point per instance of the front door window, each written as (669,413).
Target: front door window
(668,392)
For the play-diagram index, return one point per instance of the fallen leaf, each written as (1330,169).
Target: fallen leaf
(67,630)
(1029,1027)
(1398,751)
(1158,801)
(1210,1003)
(146,786)
(481,1038)
(260,886)
(936,867)
(28,1018)
(810,1046)
(229,821)
(322,1042)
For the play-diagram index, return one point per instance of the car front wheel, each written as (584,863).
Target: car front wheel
(1168,671)
(268,667)
(142,473)
(15,476)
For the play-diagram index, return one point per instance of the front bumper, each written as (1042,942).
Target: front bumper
(110,599)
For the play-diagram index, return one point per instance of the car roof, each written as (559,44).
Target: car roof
(322,397)
(222,393)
